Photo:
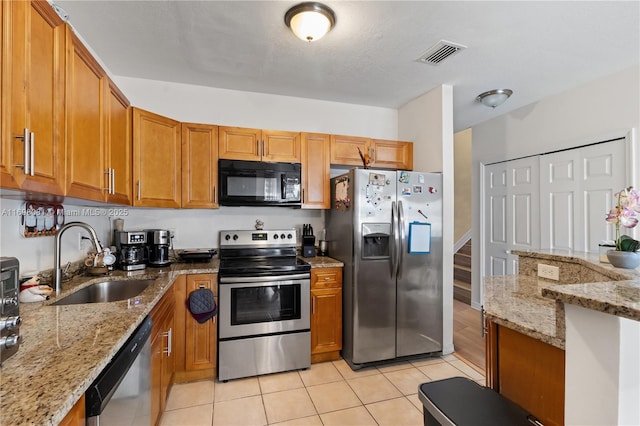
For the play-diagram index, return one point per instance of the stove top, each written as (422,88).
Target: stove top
(260,253)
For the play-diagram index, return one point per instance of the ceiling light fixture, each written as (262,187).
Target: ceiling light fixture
(310,21)
(494,98)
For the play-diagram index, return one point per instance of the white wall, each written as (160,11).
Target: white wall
(605,108)
(200,228)
(463,184)
(428,122)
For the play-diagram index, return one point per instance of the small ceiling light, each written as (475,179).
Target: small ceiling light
(310,21)
(494,98)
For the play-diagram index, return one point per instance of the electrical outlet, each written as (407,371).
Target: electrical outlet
(549,272)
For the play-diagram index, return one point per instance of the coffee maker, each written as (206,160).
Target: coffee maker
(131,247)
(159,242)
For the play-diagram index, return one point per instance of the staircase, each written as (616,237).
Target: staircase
(462,274)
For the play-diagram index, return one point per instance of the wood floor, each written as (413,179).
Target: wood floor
(467,338)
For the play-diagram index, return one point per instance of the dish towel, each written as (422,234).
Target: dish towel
(202,305)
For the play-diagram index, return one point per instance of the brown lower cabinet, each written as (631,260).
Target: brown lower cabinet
(196,351)
(162,353)
(527,371)
(326,314)
(76,416)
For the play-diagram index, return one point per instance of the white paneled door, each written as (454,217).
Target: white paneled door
(511,213)
(577,188)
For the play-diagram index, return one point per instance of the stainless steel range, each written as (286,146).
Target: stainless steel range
(263,312)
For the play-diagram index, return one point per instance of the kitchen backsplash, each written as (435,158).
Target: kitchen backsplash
(193,228)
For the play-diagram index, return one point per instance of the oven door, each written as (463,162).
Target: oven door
(254,306)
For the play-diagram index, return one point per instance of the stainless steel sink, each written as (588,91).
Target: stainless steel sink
(106,291)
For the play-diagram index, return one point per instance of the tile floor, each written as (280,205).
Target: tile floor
(329,393)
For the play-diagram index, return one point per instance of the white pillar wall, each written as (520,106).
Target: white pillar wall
(602,368)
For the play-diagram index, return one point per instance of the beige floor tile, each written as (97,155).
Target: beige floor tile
(440,371)
(320,373)
(348,373)
(351,416)
(304,421)
(373,388)
(394,366)
(427,361)
(280,381)
(234,389)
(450,357)
(396,412)
(185,395)
(407,381)
(415,400)
(200,415)
(467,369)
(243,411)
(482,382)
(288,405)
(333,396)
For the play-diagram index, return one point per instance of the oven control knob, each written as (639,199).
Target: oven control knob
(275,236)
(10,322)
(282,236)
(227,237)
(235,237)
(289,236)
(9,341)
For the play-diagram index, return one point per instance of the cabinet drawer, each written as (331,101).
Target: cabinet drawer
(326,278)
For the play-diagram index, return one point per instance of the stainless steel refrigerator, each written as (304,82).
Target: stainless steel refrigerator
(386,227)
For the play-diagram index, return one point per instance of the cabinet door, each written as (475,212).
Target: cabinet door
(156,374)
(280,146)
(395,155)
(33,69)
(85,140)
(199,166)
(326,320)
(238,143)
(316,169)
(344,150)
(76,416)
(200,339)
(162,353)
(156,160)
(118,136)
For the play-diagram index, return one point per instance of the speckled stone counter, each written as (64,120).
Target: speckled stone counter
(535,307)
(65,348)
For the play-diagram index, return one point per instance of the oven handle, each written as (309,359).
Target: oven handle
(270,278)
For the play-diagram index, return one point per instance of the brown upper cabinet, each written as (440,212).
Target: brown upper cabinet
(33,56)
(238,143)
(118,137)
(199,166)
(316,170)
(382,153)
(156,160)
(85,116)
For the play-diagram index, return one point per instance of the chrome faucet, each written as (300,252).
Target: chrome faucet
(57,281)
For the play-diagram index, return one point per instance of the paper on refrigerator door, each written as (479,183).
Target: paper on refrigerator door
(419,238)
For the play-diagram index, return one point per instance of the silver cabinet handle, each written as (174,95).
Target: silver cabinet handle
(138,183)
(113,181)
(27,148)
(108,188)
(215,195)
(264,147)
(313,305)
(32,143)
(168,335)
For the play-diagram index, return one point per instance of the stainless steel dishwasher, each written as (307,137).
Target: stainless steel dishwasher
(121,395)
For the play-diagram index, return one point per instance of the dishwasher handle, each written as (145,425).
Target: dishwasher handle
(102,389)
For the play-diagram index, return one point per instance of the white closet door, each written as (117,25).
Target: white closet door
(496,248)
(511,213)
(577,188)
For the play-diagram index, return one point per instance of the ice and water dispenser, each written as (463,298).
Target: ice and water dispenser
(376,240)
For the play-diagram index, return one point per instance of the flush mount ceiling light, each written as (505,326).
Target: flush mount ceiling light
(493,98)
(310,21)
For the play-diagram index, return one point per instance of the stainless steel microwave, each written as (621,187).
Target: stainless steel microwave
(257,183)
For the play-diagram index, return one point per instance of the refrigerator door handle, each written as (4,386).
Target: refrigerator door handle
(393,247)
(401,238)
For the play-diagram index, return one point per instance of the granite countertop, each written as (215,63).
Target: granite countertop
(65,348)
(535,306)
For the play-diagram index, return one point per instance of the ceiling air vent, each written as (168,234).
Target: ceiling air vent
(440,51)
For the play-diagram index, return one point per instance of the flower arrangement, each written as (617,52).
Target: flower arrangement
(627,214)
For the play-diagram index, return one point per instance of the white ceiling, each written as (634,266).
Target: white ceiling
(536,48)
